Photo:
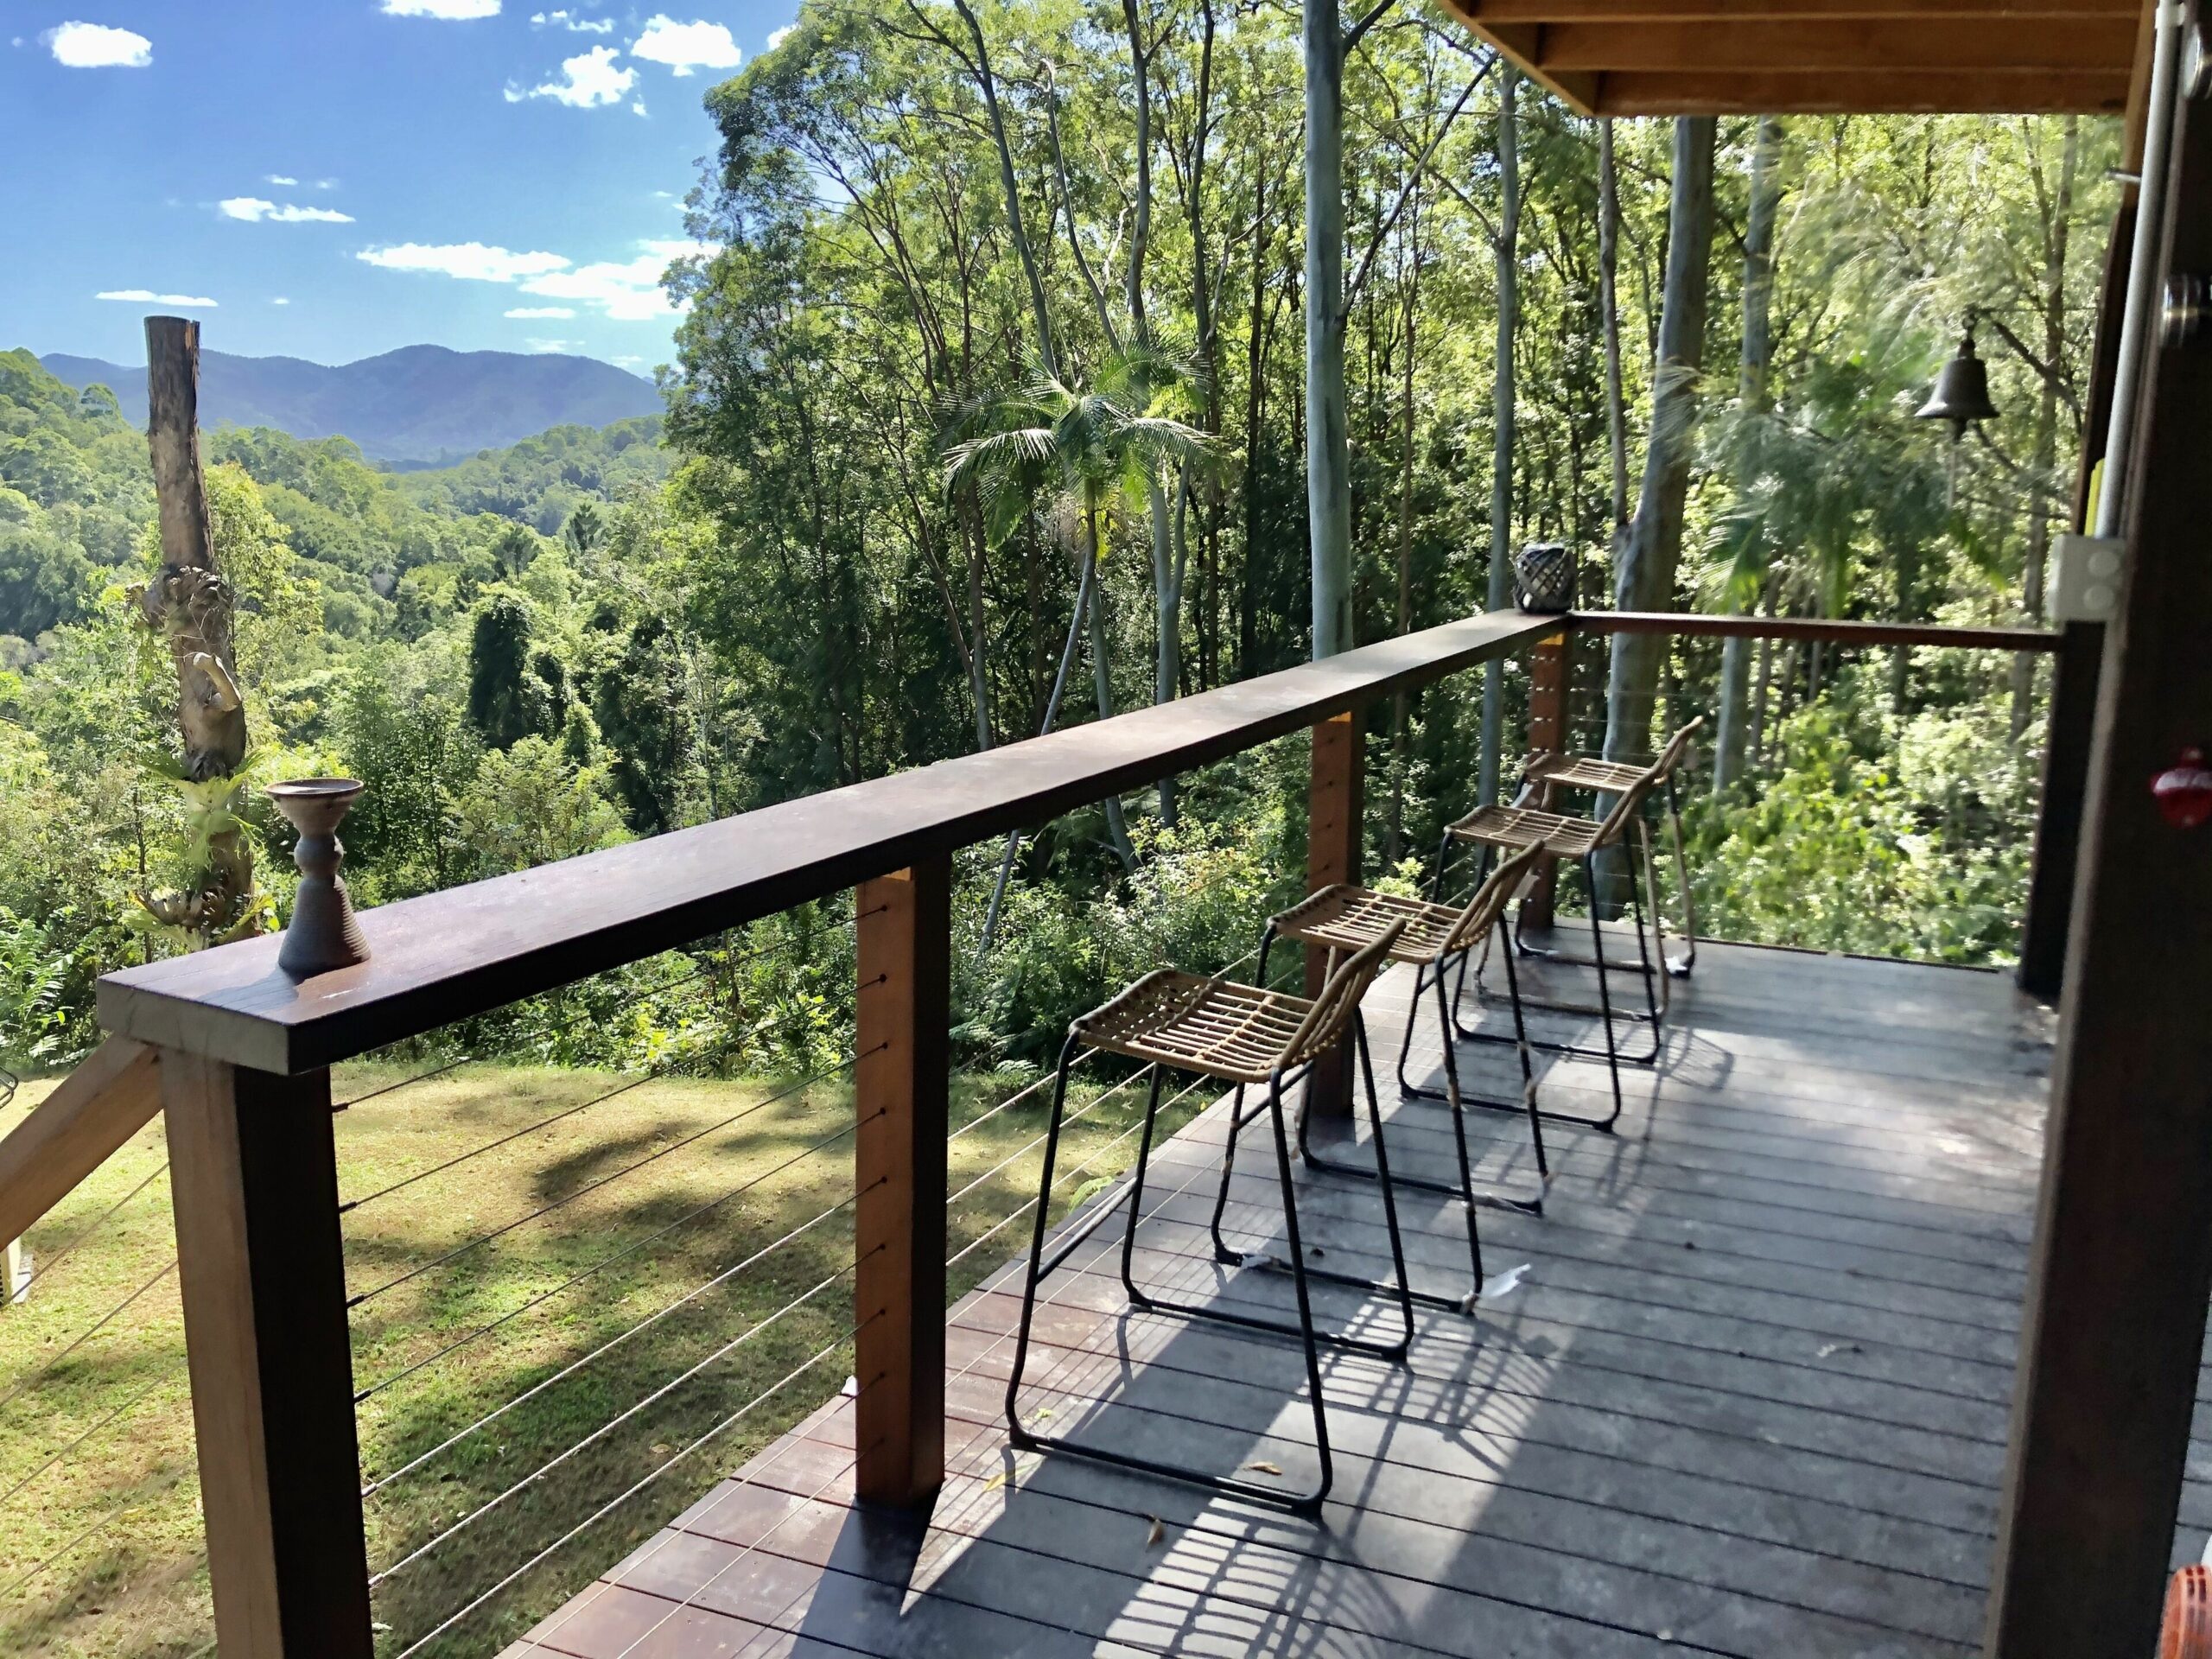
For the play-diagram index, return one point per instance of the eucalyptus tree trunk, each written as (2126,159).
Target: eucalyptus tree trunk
(189,606)
(1608,306)
(1752,391)
(1652,549)
(1394,829)
(1166,571)
(1017,231)
(1507,248)
(1328,444)
(2057,211)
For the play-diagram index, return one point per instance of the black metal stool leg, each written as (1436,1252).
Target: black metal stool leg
(1527,1079)
(1683,967)
(1037,1243)
(1390,1189)
(1297,1276)
(1221,1252)
(1308,1504)
(1136,1186)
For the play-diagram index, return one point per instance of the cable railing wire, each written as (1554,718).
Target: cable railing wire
(1074,1117)
(605,1261)
(500,1231)
(54,1263)
(620,1498)
(84,1337)
(607,1347)
(623,1416)
(1027,1205)
(136,1400)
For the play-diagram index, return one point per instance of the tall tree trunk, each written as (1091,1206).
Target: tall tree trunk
(1751,392)
(1247,591)
(1400,734)
(1609,239)
(1653,547)
(1507,249)
(192,609)
(1653,551)
(1328,443)
(1017,232)
(2058,212)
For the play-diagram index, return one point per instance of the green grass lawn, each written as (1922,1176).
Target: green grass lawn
(734,1168)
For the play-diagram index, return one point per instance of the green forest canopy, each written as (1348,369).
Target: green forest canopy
(598,635)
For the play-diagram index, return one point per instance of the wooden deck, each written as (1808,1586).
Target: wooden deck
(1748,1396)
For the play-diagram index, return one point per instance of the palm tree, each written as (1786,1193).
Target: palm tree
(1093,453)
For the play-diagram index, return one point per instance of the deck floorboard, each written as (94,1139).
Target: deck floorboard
(1747,1394)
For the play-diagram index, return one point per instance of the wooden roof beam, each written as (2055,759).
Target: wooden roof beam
(2048,92)
(1946,46)
(1491,14)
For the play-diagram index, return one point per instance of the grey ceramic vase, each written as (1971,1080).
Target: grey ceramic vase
(1543,577)
(324,933)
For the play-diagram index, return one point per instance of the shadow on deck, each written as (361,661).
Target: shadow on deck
(1749,1397)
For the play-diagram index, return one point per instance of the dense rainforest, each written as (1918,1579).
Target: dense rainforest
(989,407)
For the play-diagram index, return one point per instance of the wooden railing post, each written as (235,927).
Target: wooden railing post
(1548,688)
(2058,820)
(253,1174)
(1335,817)
(900,1093)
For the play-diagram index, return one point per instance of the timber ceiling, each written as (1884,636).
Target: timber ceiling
(1843,57)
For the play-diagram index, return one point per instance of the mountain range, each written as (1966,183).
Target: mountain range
(420,405)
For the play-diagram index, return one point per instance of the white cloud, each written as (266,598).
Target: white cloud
(629,362)
(587,82)
(280,300)
(638,106)
(686,46)
(254,210)
(573,24)
(449,10)
(325,184)
(95,46)
(538,345)
(626,290)
(470,261)
(147,296)
(777,36)
(281,178)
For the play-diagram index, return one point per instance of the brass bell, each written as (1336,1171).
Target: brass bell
(1961,393)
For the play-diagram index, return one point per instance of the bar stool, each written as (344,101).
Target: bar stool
(1249,1036)
(1434,938)
(1546,773)
(1512,828)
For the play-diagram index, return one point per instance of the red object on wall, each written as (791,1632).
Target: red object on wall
(2183,791)
(2187,1633)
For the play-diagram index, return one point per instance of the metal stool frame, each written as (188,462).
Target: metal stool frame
(1546,773)
(1515,828)
(1436,939)
(1148,1032)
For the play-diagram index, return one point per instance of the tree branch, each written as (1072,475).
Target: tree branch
(1421,166)
(1374,16)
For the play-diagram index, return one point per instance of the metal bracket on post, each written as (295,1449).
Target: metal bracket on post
(2086,573)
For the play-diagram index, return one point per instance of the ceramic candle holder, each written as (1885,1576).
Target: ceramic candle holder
(324,934)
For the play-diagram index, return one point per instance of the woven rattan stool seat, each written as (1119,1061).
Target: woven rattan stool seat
(1527,826)
(1237,1032)
(1582,772)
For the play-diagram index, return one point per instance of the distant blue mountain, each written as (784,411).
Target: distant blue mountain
(419,405)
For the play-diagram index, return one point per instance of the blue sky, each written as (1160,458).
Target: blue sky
(331,179)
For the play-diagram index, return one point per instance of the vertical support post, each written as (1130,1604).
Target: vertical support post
(903,1016)
(1336,815)
(1547,689)
(2058,821)
(2113,1328)
(253,1174)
